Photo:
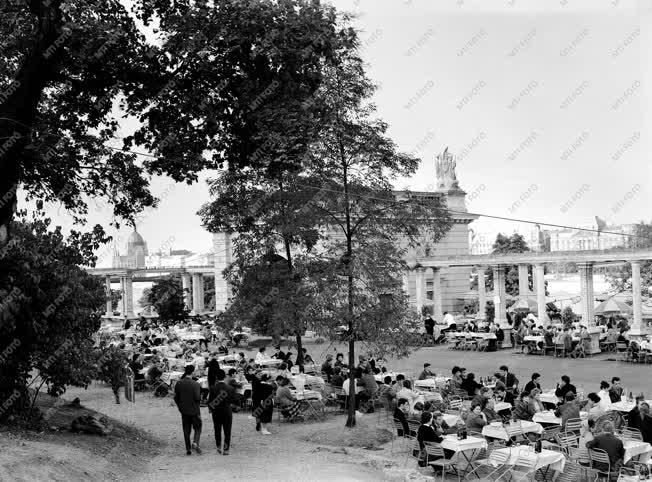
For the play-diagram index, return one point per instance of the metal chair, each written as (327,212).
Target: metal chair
(572,472)
(523,469)
(414,427)
(573,426)
(494,464)
(628,433)
(560,348)
(436,457)
(601,457)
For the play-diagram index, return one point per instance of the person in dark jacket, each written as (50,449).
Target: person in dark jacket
(213,367)
(533,383)
(616,390)
(219,404)
(523,409)
(509,379)
(568,410)
(337,380)
(426,433)
(402,407)
(608,442)
(634,416)
(564,387)
(262,400)
(470,385)
(187,395)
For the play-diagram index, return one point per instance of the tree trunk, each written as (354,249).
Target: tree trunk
(300,360)
(19,109)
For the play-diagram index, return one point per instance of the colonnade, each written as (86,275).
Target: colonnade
(191,283)
(586,291)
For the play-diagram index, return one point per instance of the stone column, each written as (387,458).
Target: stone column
(107,281)
(588,304)
(637,330)
(539,270)
(222,257)
(122,305)
(482,293)
(523,289)
(438,313)
(197,293)
(420,288)
(187,293)
(501,311)
(129,297)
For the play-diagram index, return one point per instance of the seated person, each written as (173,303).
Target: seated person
(416,412)
(400,415)
(536,405)
(476,419)
(523,409)
(489,412)
(440,424)
(386,390)
(470,385)
(608,442)
(616,390)
(593,406)
(426,373)
(327,367)
(409,394)
(568,410)
(337,380)
(426,433)
(288,403)
(307,359)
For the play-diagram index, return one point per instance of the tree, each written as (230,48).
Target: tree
(166,296)
(111,365)
(620,277)
(368,226)
(50,305)
(223,83)
(116,296)
(505,245)
(144,300)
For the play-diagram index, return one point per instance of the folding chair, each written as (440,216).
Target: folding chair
(414,427)
(601,457)
(436,457)
(567,441)
(573,426)
(495,463)
(572,472)
(414,449)
(560,348)
(628,433)
(523,469)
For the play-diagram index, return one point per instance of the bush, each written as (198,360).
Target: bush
(111,365)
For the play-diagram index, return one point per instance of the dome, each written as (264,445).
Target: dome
(136,244)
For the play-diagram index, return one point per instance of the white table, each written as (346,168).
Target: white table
(169,377)
(381,376)
(545,459)
(550,418)
(272,362)
(306,395)
(534,338)
(450,442)
(450,419)
(634,448)
(227,358)
(500,431)
(500,406)
(192,336)
(549,397)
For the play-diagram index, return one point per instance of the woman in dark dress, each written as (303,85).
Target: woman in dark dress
(470,385)
(262,400)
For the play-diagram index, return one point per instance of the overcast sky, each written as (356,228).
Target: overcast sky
(545,103)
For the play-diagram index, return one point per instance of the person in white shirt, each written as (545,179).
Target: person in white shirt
(261,356)
(605,400)
(409,394)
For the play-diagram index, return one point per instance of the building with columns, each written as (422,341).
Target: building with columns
(136,253)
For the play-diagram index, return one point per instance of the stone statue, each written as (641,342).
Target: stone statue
(445,170)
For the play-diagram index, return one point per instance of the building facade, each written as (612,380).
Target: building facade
(136,256)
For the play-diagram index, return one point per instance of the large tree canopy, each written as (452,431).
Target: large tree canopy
(220,84)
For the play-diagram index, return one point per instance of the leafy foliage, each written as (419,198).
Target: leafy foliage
(111,367)
(166,296)
(50,309)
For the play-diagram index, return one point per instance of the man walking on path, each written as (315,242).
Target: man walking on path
(219,404)
(187,394)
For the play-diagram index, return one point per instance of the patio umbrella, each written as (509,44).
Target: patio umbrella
(612,306)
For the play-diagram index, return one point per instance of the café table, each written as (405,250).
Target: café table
(380,377)
(637,448)
(499,431)
(313,403)
(464,449)
(549,397)
(548,417)
(500,406)
(272,362)
(228,358)
(543,462)
(171,377)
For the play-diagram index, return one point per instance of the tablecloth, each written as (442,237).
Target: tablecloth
(555,460)
(624,406)
(634,448)
(550,418)
(450,442)
(549,397)
(500,432)
(272,362)
(500,406)
(227,358)
(381,376)
(307,395)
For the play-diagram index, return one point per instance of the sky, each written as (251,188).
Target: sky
(545,104)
